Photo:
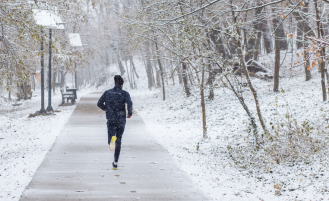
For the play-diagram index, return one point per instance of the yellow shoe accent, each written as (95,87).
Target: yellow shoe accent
(114,168)
(112,144)
(114,138)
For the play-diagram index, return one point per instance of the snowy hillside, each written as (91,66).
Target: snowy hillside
(176,124)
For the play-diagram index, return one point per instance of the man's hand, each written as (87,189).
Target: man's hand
(128,117)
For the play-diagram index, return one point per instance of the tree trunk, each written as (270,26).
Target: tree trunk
(121,68)
(133,76)
(184,75)
(323,57)
(303,27)
(25,90)
(218,42)
(148,67)
(153,76)
(276,65)
(258,26)
(322,53)
(33,82)
(277,47)
(157,77)
(180,74)
(250,49)
(251,44)
(190,76)
(282,37)
(306,31)
(203,106)
(172,72)
(252,89)
(129,76)
(303,30)
(210,82)
(324,71)
(133,65)
(161,71)
(63,80)
(257,45)
(9,88)
(9,95)
(307,65)
(279,32)
(149,73)
(300,33)
(266,36)
(244,105)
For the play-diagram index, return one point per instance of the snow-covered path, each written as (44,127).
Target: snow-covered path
(78,166)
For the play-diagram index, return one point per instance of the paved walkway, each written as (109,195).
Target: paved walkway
(78,166)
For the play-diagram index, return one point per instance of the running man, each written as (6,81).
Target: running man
(113,102)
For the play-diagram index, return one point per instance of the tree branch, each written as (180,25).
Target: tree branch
(257,6)
(286,17)
(211,3)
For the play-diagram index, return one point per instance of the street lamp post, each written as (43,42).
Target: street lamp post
(49,108)
(75,41)
(45,18)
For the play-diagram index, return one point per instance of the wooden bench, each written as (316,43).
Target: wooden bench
(68,95)
(74,90)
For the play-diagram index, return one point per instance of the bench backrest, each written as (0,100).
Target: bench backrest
(62,91)
(74,92)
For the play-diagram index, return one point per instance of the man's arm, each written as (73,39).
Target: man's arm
(129,105)
(101,102)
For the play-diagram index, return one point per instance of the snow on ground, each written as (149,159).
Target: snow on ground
(176,123)
(24,141)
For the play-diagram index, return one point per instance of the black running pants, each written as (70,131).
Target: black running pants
(115,128)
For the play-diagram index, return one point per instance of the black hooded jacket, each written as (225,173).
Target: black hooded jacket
(113,102)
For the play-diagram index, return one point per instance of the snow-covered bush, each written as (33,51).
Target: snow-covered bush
(287,141)
(290,141)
